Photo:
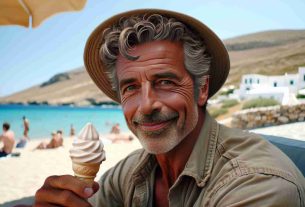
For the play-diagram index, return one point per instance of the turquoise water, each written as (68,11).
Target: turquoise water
(45,119)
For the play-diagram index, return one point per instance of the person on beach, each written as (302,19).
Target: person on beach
(162,67)
(60,141)
(115,135)
(26,127)
(8,139)
(115,129)
(21,143)
(72,131)
(55,142)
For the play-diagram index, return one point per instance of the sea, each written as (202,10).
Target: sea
(46,119)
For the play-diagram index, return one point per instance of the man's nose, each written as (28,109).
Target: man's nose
(149,99)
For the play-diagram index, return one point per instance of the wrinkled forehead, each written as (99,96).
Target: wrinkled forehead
(154,49)
(153,55)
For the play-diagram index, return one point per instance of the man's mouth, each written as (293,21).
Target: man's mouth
(154,123)
(154,126)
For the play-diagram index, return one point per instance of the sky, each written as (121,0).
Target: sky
(29,56)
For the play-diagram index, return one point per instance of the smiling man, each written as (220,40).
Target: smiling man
(162,67)
(157,95)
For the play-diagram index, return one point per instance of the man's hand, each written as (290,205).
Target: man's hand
(64,190)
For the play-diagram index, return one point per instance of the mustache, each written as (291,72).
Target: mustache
(154,117)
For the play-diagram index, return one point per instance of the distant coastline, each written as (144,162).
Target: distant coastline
(63,106)
(103,104)
(45,119)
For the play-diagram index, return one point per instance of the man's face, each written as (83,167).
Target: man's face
(157,95)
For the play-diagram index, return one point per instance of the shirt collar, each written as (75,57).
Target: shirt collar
(200,162)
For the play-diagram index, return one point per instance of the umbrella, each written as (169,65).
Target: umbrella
(19,12)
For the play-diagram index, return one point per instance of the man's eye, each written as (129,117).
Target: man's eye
(130,88)
(166,82)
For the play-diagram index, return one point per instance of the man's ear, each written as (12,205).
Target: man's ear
(203,93)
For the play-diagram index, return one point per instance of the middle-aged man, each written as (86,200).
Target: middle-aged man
(162,67)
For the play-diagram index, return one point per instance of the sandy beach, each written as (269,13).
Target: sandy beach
(22,176)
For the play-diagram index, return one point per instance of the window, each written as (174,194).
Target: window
(304,77)
(291,82)
(275,84)
(246,81)
(247,89)
(257,81)
(250,80)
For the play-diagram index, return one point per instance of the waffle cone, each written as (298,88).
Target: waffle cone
(85,171)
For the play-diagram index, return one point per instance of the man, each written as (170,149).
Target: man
(26,127)
(8,139)
(163,67)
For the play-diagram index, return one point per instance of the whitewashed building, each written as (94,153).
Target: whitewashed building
(281,88)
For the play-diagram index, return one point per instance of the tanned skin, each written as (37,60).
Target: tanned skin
(158,83)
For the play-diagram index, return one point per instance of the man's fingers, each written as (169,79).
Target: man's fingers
(68,182)
(51,196)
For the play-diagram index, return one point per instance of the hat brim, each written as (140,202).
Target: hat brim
(220,63)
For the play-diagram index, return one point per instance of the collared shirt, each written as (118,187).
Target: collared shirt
(227,167)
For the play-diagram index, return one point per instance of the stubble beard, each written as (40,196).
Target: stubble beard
(159,143)
(166,139)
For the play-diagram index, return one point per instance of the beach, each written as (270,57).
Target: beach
(22,176)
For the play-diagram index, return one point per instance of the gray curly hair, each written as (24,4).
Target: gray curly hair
(135,30)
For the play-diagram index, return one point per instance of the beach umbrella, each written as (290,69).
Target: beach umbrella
(22,12)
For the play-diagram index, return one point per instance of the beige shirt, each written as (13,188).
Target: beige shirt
(227,168)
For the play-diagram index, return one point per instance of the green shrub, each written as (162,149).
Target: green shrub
(300,96)
(227,92)
(217,112)
(229,103)
(260,102)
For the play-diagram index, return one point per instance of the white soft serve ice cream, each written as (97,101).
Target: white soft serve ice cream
(87,147)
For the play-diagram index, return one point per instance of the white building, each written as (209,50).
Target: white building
(281,88)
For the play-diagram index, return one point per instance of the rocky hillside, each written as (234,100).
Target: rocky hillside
(269,53)
(72,88)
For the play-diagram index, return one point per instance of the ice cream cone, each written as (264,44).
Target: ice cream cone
(86,171)
(87,154)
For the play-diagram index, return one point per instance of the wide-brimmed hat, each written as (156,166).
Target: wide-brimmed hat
(220,63)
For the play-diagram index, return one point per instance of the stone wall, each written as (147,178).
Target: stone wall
(268,116)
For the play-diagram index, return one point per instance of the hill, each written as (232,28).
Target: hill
(71,88)
(269,53)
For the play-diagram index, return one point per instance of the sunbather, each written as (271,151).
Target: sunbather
(8,139)
(56,141)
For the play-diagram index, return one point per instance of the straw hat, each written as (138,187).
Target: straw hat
(220,64)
